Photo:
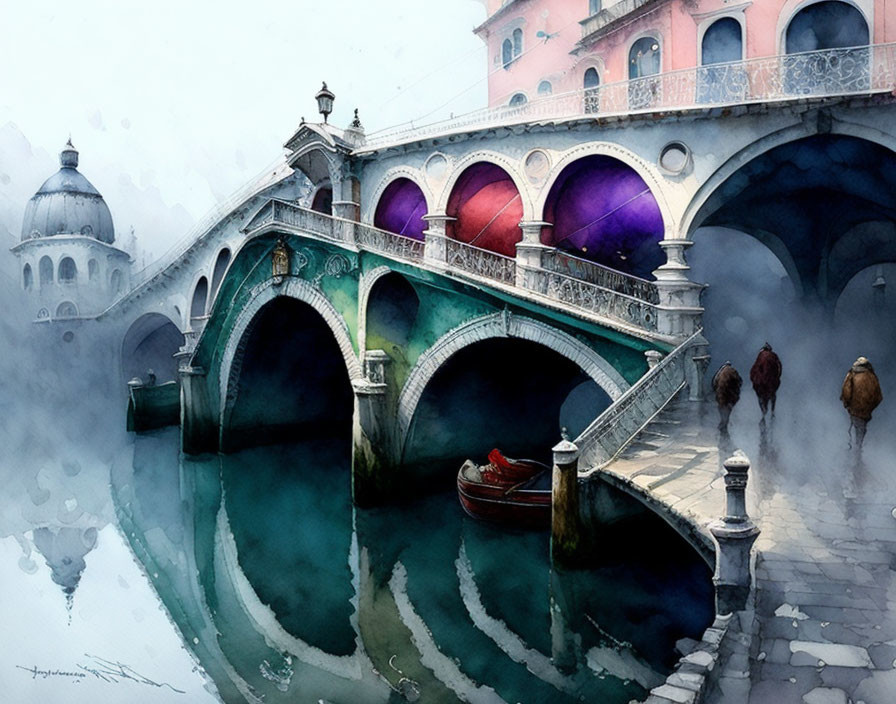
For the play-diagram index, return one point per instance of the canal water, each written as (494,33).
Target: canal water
(285,592)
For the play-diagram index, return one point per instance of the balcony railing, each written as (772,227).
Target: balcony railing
(575,283)
(816,74)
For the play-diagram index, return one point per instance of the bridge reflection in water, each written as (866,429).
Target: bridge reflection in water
(284,591)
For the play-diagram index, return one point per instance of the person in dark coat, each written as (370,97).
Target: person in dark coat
(765,375)
(726,385)
(861,394)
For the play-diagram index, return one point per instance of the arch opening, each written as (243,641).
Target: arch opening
(508,393)
(45,270)
(644,64)
(290,382)
(487,208)
(66,309)
(221,262)
(391,313)
(93,270)
(323,200)
(150,344)
(199,303)
(602,210)
(27,277)
(401,209)
(115,281)
(68,271)
(722,43)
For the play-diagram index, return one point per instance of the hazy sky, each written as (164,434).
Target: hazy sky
(195,98)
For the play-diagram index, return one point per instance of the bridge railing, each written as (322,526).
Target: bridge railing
(613,429)
(830,72)
(562,278)
(482,262)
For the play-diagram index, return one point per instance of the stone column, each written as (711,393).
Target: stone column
(373,433)
(529,252)
(198,426)
(566,538)
(735,534)
(679,310)
(434,247)
(699,363)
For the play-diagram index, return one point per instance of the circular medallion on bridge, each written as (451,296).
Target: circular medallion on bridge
(675,158)
(536,166)
(436,167)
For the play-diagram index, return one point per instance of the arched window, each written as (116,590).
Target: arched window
(644,64)
(200,298)
(323,200)
(545,88)
(66,309)
(593,7)
(838,33)
(27,277)
(517,42)
(518,99)
(722,43)
(93,270)
(115,281)
(506,53)
(68,272)
(45,269)
(591,82)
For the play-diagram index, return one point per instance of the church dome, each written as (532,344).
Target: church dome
(68,204)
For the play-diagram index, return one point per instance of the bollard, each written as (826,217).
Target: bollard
(735,534)
(565,530)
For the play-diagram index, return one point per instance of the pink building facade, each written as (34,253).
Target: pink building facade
(542,47)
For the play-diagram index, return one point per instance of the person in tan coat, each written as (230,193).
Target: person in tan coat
(861,394)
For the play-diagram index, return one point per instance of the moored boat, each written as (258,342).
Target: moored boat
(515,492)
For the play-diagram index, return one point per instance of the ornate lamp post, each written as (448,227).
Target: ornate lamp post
(324,100)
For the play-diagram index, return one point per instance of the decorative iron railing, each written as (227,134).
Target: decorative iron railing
(593,298)
(561,262)
(481,262)
(831,72)
(613,429)
(389,243)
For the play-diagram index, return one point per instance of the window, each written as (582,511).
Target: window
(517,42)
(544,88)
(722,44)
(518,99)
(68,272)
(592,78)
(66,309)
(93,270)
(593,7)
(592,95)
(115,281)
(27,277)
(507,53)
(644,58)
(45,269)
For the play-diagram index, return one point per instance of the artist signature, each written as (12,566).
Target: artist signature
(99,668)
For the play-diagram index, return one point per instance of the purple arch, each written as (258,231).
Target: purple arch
(602,210)
(401,209)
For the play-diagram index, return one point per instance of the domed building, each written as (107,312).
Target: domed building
(68,259)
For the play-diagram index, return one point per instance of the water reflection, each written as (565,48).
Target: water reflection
(295,596)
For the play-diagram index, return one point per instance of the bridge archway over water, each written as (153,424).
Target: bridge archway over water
(294,329)
(150,343)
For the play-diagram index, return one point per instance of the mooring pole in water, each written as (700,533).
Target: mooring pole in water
(566,539)
(372,433)
(735,534)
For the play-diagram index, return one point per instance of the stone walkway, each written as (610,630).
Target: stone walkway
(825,626)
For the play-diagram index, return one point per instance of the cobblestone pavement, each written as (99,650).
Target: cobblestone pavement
(825,626)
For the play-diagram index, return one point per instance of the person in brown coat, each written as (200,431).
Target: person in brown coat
(765,375)
(861,394)
(726,385)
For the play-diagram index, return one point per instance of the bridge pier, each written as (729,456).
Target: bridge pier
(199,429)
(373,434)
(566,532)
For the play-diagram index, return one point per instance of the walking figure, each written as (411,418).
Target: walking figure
(861,394)
(726,386)
(765,376)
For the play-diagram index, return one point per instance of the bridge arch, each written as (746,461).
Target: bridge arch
(222,261)
(199,299)
(501,325)
(602,208)
(486,207)
(235,347)
(150,343)
(400,202)
(510,166)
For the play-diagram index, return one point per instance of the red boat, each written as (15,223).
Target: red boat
(516,492)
